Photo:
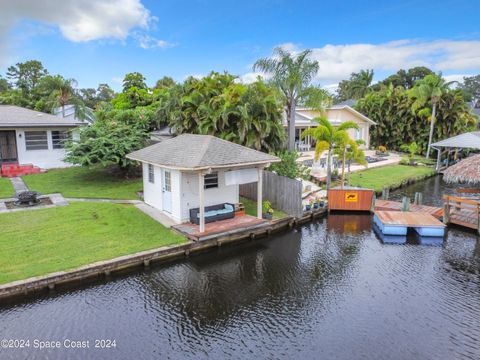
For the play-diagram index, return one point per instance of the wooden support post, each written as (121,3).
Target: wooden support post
(385,193)
(372,206)
(446,212)
(201,197)
(260,192)
(439,159)
(418,200)
(405,204)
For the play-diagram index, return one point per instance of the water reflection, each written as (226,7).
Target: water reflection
(329,289)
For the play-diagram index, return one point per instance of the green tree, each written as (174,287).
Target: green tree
(406,79)
(289,166)
(134,79)
(60,92)
(471,87)
(250,115)
(356,87)
(429,89)
(4,85)
(164,82)
(327,138)
(106,143)
(291,74)
(350,151)
(26,75)
(397,123)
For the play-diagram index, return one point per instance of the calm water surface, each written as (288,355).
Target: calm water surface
(330,290)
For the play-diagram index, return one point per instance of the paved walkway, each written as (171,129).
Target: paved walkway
(18,185)
(155,214)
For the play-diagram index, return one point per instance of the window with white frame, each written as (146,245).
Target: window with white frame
(151,174)
(359,134)
(59,138)
(36,140)
(211,181)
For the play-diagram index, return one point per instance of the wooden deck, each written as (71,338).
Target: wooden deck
(408,219)
(238,223)
(389,205)
(462,211)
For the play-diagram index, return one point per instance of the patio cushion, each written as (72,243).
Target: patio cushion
(229,207)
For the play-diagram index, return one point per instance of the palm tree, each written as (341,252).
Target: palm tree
(291,74)
(430,88)
(350,152)
(360,84)
(62,93)
(328,137)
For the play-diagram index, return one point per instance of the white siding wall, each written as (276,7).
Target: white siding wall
(185,192)
(45,159)
(213,196)
(152,193)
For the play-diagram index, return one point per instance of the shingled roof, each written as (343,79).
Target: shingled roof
(470,140)
(199,152)
(15,117)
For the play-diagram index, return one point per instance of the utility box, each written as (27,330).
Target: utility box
(351,199)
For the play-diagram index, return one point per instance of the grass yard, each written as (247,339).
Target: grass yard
(42,241)
(251,208)
(6,188)
(82,182)
(388,176)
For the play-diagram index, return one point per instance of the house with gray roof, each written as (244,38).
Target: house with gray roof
(336,114)
(203,172)
(33,137)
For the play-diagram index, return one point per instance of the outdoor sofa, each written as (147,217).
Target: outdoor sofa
(213,213)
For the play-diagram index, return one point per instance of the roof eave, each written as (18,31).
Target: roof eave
(201,168)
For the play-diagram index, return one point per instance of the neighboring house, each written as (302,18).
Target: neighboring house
(68,112)
(336,114)
(33,137)
(193,171)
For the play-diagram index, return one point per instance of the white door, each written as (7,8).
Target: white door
(167,190)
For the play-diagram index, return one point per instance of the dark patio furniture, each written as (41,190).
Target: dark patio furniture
(213,213)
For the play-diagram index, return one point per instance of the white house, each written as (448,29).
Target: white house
(336,114)
(195,171)
(33,137)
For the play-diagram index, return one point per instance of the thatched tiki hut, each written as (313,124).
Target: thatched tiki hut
(466,171)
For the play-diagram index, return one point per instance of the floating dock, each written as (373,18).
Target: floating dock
(398,222)
(389,205)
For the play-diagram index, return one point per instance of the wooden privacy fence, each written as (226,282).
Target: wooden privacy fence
(284,193)
(462,211)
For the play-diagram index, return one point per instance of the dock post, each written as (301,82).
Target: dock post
(385,193)
(418,198)
(405,204)
(446,212)
(372,206)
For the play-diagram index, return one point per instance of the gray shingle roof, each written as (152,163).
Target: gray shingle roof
(197,152)
(470,140)
(15,116)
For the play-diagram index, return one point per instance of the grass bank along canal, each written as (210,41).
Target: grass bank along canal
(329,289)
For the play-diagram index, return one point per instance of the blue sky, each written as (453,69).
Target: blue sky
(101,40)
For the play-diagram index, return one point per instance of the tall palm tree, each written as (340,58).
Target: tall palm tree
(429,89)
(292,74)
(350,151)
(62,93)
(328,137)
(360,83)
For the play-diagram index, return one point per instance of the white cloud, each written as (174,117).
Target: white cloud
(78,21)
(251,77)
(148,42)
(337,62)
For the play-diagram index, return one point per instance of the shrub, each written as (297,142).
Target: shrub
(289,166)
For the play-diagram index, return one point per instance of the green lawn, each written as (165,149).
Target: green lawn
(251,208)
(82,182)
(388,176)
(6,188)
(39,242)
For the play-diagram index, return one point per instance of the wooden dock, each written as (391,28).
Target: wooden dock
(389,205)
(462,211)
(398,222)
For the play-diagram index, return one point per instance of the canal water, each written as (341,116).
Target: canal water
(329,290)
